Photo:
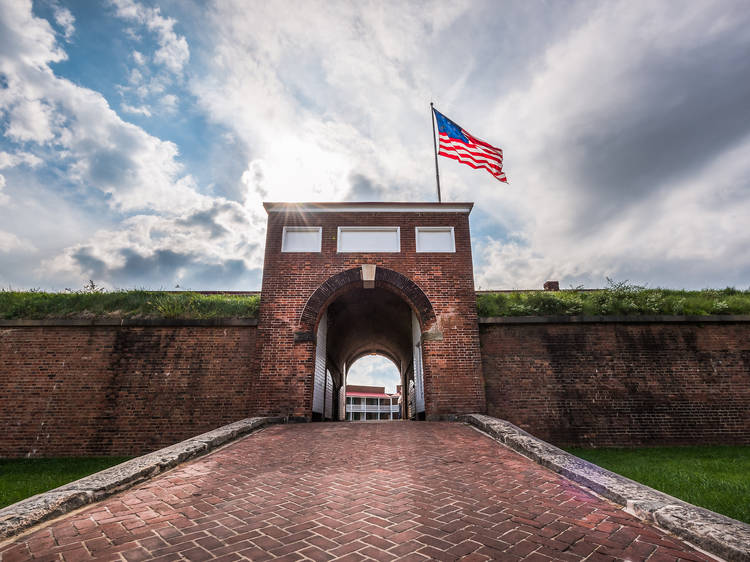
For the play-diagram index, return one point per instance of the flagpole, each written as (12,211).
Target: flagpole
(434,143)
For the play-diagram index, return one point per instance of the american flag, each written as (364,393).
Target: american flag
(458,144)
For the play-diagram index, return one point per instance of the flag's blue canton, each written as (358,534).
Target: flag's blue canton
(448,127)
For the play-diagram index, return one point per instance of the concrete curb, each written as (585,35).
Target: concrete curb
(36,509)
(129,322)
(715,533)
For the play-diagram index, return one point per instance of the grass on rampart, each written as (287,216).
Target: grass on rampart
(619,299)
(714,477)
(23,478)
(125,304)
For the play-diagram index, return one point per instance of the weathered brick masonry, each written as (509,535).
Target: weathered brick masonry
(620,383)
(109,390)
(72,390)
(452,366)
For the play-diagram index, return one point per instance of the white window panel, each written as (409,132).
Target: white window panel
(369,239)
(435,239)
(301,239)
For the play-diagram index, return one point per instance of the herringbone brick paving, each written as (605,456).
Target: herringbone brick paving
(347,491)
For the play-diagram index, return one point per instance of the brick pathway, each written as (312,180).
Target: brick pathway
(382,491)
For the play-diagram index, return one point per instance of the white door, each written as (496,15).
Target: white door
(319,380)
(329,396)
(418,367)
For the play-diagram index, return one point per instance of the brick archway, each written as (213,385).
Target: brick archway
(384,277)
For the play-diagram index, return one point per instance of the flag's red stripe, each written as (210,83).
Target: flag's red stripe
(472,147)
(480,141)
(489,168)
(493,169)
(445,139)
(479,144)
(473,163)
(474,155)
(477,154)
(478,157)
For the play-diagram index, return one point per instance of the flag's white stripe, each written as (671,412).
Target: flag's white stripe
(494,170)
(480,142)
(466,159)
(478,157)
(473,162)
(476,154)
(472,153)
(473,148)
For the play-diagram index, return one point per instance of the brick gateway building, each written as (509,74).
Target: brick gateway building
(343,280)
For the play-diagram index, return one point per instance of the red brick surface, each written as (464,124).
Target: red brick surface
(621,384)
(119,391)
(452,366)
(371,491)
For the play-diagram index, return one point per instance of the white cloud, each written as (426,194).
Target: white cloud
(96,149)
(9,242)
(8,160)
(335,90)
(169,103)
(596,109)
(584,140)
(340,91)
(31,120)
(374,370)
(137,110)
(145,246)
(138,170)
(173,50)
(64,19)
(3,197)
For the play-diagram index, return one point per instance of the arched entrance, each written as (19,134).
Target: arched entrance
(350,320)
(374,390)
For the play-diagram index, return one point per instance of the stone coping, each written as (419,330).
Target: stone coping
(713,532)
(130,322)
(642,319)
(239,322)
(36,509)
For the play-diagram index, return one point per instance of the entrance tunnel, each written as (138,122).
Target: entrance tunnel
(364,322)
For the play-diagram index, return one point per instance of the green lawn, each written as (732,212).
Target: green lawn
(21,478)
(714,477)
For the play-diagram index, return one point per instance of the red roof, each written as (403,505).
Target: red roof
(370,395)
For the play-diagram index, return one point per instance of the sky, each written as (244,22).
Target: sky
(374,370)
(138,139)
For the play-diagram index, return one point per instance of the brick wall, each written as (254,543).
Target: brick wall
(107,390)
(103,390)
(609,384)
(453,380)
